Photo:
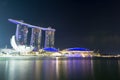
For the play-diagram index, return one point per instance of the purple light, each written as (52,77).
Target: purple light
(29,25)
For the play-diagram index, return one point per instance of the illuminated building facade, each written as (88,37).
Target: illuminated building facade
(77,52)
(21,35)
(36,35)
(36,38)
(49,38)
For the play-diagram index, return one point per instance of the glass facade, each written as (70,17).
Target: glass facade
(49,38)
(36,34)
(21,35)
(36,38)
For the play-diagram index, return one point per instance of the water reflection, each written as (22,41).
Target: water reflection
(106,69)
(59,69)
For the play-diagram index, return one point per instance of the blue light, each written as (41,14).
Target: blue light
(78,49)
(51,49)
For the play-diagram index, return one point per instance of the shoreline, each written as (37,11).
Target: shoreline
(55,57)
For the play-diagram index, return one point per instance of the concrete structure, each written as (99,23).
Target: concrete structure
(20,48)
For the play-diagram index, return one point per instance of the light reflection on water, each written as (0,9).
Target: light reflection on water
(59,69)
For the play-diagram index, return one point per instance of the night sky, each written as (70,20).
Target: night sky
(92,24)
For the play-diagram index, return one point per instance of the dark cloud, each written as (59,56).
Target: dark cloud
(91,24)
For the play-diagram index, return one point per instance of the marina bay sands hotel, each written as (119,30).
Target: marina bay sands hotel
(21,34)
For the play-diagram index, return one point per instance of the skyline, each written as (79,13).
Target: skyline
(90,24)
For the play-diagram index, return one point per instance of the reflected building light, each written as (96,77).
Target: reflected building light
(17,70)
(38,69)
(92,69)
(65,68)
(57,67)
(82,66)
(119,65)
(11,70)
(48,68)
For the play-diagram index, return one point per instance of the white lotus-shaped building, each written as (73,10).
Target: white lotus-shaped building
(20,48)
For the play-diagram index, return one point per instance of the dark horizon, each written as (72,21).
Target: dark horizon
(89,24)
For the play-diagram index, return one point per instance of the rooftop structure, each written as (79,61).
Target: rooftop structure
(77,49)
(50,49)
(29,25)
(77,52)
